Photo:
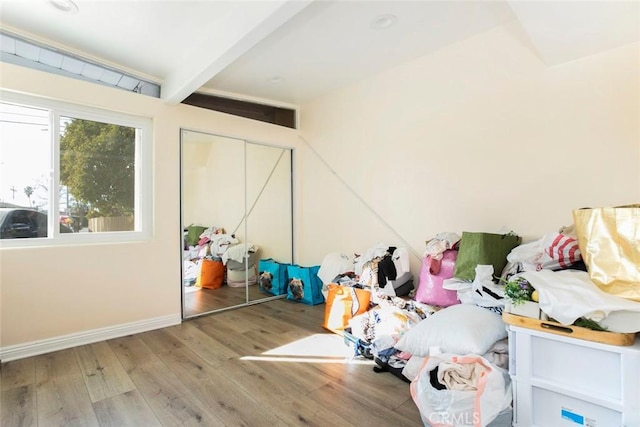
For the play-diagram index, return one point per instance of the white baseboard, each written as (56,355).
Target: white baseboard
(34,348)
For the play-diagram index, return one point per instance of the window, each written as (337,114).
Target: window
(72,174)
(27,53)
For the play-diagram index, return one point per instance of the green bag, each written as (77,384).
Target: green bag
(193,234)
(483,249)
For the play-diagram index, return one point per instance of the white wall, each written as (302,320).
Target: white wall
(49,292)
(475,137)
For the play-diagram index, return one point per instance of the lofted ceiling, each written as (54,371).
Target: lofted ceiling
(286,52)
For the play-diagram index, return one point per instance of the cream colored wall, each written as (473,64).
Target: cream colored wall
(49,292)
(477,136)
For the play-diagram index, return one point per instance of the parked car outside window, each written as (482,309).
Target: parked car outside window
(17,223)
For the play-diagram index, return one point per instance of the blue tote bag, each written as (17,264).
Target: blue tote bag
(272,276)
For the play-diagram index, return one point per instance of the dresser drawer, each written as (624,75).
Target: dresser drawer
(555,409)
(588,370)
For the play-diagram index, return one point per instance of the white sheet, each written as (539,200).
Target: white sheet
(237,252)
(334,264)
(567,295)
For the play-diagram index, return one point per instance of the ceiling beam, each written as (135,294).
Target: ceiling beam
(229,38)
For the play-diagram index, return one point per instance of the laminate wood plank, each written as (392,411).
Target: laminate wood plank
(288,400)
(408,409)
(304,316)
(232,341)
(359,410)
(202,344)
(205,300)
(125,410)
(294,362)
(18,373)
(160,341)
(323,368)
(18,407)
(226,296)
(296,373)
(231,321)
(275,324)
(131,351)
(169,399)
(213,387)
(56,364)
(64,401)
(369,383)
(103,374)
(223,329)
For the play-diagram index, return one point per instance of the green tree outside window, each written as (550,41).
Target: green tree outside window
(97,164)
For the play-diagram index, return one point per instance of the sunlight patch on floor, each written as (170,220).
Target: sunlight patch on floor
(318,345)
(345,361)
(317,348)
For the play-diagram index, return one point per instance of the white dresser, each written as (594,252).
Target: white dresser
(569,382)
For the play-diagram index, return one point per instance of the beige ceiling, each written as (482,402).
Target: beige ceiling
(286,52)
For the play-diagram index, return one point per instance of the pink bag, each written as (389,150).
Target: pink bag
(432,274)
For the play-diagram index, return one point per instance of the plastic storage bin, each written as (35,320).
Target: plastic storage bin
(561,381)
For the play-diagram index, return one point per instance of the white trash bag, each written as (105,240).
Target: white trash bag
(452,391)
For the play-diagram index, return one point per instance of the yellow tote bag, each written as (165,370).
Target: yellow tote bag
(609,239)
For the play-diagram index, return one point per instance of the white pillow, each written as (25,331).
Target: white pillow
(459,329)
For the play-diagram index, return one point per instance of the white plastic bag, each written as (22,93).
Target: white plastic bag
(554,251)
(480,397)
(482,292)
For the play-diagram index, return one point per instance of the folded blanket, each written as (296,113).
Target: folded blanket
(460,376)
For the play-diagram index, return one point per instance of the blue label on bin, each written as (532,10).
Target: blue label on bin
(572,416)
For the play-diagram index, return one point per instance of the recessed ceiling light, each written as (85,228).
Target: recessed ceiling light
(383,22)
(275,80)
(64,5)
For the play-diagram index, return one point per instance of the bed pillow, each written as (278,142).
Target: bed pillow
(459,329)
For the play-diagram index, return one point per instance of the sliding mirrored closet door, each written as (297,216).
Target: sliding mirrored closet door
(236,208)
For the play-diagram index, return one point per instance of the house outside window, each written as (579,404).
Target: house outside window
(70,173)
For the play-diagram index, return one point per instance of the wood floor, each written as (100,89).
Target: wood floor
(202,300)
(269,364)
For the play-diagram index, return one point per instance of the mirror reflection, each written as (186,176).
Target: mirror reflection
(236,209)
(269,209)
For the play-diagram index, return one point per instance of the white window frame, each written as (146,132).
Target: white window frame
(143,216)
